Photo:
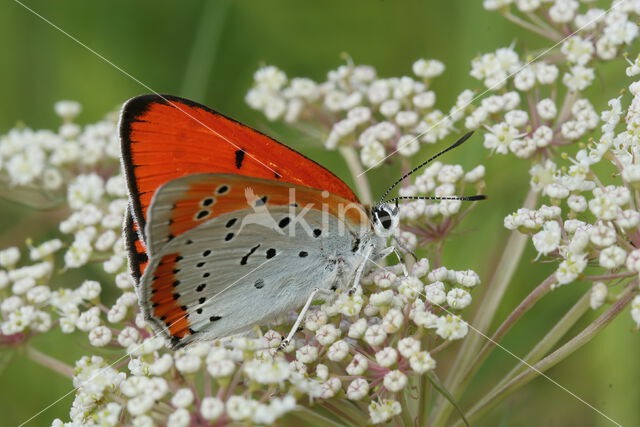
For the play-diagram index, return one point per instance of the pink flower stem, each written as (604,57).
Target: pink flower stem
(49,362)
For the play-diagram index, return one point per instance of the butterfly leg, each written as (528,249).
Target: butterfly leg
(404,267)
(360,269)
(285,342)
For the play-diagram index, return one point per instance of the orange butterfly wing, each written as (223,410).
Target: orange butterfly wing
(165,137)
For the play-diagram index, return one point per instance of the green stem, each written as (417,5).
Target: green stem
(313,418)
(541,290)
(554,358)
(205,48)
(49,362)
(529,26)
(405,415)
(362,184)
(423,412)
(552,337)
(489,303)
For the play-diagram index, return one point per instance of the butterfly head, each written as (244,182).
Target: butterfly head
(385,219)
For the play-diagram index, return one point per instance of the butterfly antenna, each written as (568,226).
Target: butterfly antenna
(421,165)
(461,198)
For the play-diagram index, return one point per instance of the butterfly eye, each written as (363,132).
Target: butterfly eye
(383,217)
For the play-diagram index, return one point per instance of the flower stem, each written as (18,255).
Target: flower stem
(554,358)
(552,337)
(529,26)
(362,184)
(541,290)
(313,417)
(493,294)
(49,362)
(204,49)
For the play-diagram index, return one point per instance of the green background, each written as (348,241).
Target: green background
(208,51)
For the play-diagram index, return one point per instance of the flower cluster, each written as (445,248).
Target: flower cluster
(355,107)
(588,221)
(425,221)
(526,116)
(363,348)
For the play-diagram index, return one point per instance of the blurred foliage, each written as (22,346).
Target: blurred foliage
(208,51)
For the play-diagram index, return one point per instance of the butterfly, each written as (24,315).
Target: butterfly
(228,228)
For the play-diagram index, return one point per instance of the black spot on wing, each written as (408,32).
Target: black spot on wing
(239,158)
(245,258)
(259,284)
(284,222)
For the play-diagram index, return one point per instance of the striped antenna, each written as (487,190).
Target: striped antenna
(421,165)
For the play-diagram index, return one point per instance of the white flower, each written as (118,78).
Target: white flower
(211,408)
(571,268)
(499,137)
(408,145)
(220,368)
(424,100)
(380,412)
(475,174)
(372,154)
(563,10)
(458,298)
(67,109)
(408,346)
(546,108)
(393,320)
(358,389)
(577,203)
(578,78)
(140,404)
(546,73)
(421,362)
(599,293)
(577,50)
(338,351)
(548,239)
(357,329)
(451,327)
(395,380)
(327,334)
(179,418)
(435,293)
(428,68)
(602,234)
(307,354)
(270,78)
(9,257)
(628,219)
(188,363)
(527,5)
(182,398)
(635,310)
(525,79)
(612,257)
(375,335)
(387,357)
(467,278)
(100,336)
(358,365)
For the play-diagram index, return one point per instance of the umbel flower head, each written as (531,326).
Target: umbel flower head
(361,353)
(362,348)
